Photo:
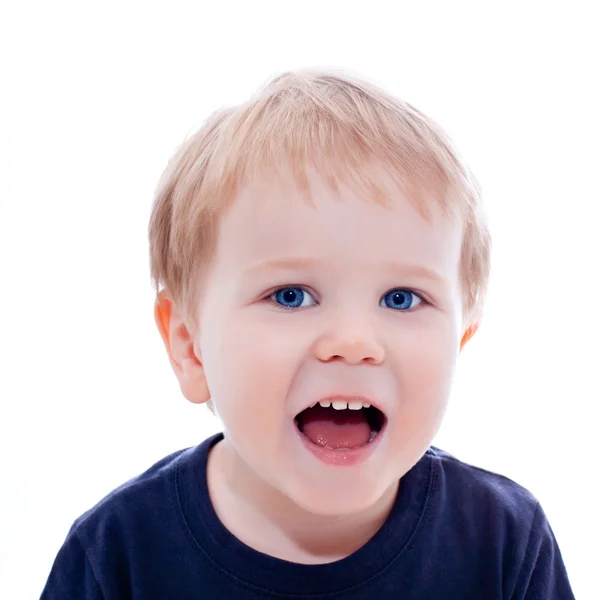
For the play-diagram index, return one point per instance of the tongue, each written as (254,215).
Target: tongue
(335,428)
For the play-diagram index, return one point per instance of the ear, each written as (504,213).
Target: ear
(468,334)
(181,349)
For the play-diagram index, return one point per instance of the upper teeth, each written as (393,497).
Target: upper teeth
(342,405)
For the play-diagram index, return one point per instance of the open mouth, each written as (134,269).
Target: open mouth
(341,425)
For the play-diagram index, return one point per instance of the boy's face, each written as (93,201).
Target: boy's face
(297,308)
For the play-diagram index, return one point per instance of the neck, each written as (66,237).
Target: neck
(268,521)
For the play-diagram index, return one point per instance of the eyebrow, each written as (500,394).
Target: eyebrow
(405,270)
(305,263)
(286,263)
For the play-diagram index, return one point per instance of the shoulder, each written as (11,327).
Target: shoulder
(138,508)
(153,480)
(479,481)
(482,497)
(130,534)
(503,526)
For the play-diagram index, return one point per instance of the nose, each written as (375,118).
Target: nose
(349,340)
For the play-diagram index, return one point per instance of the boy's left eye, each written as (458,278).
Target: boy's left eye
(400,299)
(293,297)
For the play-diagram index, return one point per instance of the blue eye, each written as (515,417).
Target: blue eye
(400,299)
(293,297)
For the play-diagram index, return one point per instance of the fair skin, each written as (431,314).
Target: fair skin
(262,362)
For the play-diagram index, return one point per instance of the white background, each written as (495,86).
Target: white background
(95,97)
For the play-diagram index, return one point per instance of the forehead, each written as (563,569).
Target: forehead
(273,218)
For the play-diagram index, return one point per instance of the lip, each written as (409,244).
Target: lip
(341,457)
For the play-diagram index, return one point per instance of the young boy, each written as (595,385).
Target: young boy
(320,256)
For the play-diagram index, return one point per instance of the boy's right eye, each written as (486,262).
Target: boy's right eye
(292,297)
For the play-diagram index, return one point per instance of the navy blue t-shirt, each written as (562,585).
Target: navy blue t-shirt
(455,532)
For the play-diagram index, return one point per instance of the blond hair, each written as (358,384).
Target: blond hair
(304,120)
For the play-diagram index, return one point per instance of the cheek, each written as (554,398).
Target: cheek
(250,365)
(424,370)
(425,361)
